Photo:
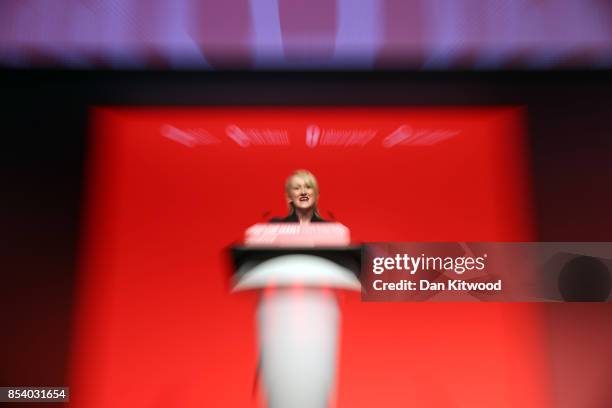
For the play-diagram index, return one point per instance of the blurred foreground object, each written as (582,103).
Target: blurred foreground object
(297,315)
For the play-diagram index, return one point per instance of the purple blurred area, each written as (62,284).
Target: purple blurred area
(301,34)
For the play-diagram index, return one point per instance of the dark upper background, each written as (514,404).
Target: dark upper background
(58,62)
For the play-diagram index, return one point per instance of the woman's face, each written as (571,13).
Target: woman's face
(301,194)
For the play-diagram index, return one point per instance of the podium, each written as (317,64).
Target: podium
(297,314)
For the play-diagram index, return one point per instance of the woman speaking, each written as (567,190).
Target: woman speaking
(302,192)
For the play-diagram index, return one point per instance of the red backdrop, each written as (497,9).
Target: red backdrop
(169,191)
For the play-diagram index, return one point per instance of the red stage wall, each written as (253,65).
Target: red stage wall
(169,191)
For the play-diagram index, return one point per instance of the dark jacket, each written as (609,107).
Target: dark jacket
(294,218)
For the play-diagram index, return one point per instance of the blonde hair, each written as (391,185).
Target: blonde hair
(310,180)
